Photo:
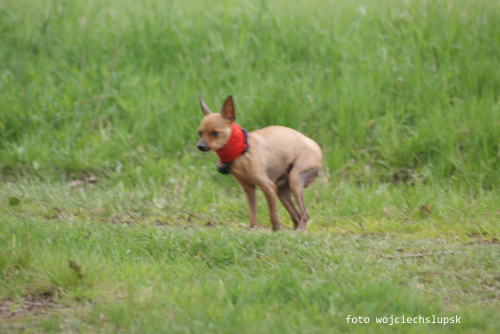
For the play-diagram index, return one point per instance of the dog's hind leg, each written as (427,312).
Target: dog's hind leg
(286,199)
(299,179)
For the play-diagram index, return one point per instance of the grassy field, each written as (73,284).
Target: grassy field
(111,221)
(384,86)
(154,258)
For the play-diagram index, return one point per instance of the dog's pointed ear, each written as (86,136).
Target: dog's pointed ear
(228,109)
(204,107)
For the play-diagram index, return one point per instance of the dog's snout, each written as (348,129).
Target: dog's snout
(202,146)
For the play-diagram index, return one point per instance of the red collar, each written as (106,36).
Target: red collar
(236,145)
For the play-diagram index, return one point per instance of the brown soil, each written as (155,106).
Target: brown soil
(29,306)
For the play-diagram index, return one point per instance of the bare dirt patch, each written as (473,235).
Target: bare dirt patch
(29,306)
(482,239)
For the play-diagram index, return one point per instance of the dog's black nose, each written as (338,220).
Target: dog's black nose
(202,148)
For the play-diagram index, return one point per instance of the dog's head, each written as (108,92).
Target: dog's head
(215,129)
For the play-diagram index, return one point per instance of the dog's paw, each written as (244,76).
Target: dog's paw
(256,227)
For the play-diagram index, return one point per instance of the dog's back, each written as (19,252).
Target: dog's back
(287,144)
(277,150)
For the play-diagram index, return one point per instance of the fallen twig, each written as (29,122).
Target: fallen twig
(418,255)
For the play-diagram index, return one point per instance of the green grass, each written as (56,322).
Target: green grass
(383,86)
(145,279)
(169,258)
(402,96)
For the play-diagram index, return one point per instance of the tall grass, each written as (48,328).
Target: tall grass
(391,90)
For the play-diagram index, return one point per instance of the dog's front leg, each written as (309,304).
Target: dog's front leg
(270,191)
(252,203)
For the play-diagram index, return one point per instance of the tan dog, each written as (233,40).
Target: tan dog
(278,160)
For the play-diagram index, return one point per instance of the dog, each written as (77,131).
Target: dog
(278,160)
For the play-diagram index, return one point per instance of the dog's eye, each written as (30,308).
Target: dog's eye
(199,133)
(215,133)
